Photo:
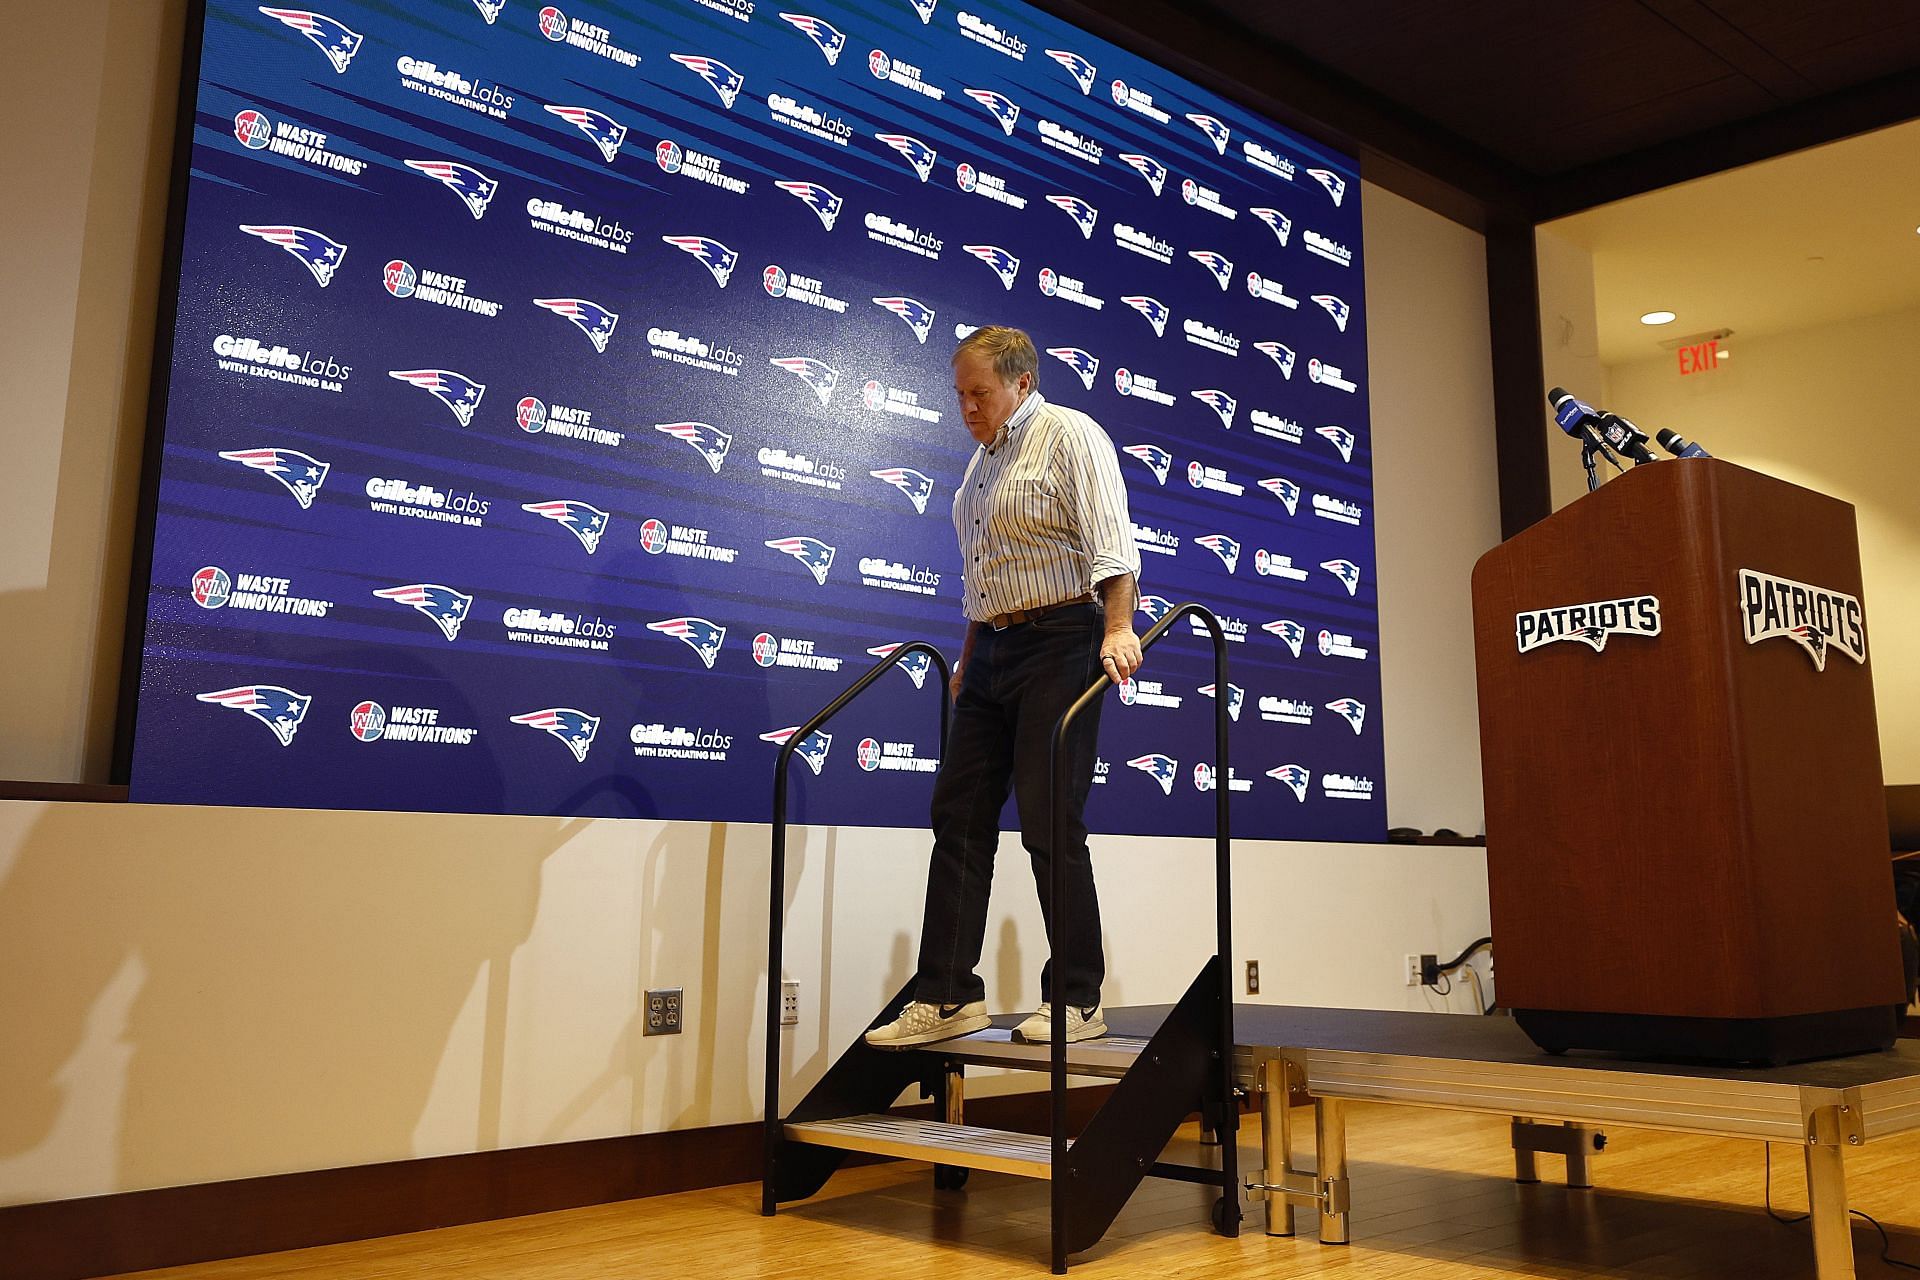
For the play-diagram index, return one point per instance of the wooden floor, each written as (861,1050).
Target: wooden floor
(1433,1198)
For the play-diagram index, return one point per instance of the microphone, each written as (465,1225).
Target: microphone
(1678,445)
(1577,418)
(1626,438)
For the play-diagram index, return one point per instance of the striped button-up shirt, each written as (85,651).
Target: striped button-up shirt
(1042,513)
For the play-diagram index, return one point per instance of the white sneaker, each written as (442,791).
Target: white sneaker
(1082,1024)
(922,1023)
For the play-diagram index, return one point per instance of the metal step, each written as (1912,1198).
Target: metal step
(1022,1154)
(1109,1057)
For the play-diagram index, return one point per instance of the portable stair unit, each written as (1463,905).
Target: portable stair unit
(1185,1066)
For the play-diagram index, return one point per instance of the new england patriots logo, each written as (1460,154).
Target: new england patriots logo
(585,522)
(330,37)
(1155,607)
(1285,490)
(321,255)
(1218,264)
(490,9)
(1002,263)
(1079,68)
(1295,777)
(606,132)
(591,318)
(916,486)
(811,552)
(703,637)
(1277,222)
(1216,131)
(474,188)
(1235,697)
(1352,711)
(721,78)
(445,606)
(575,728)
(925,9)
(1218,401)
(712,444)
(299,474)
(1291,633)
(1346,570)
(1340,438)
(1156,312)
(1335,308)
(1147,167)
(1336,185)
(716,257)
(1158,460)
(830,38)
(812,748)
(1158,767)
(460,394)
(819,376)
(915,664)
(912,150)
(918,315)
(1005,110)
(1081,362)
(1223,546)
(281,710)
(825,204)
(1280,353)
(1083,214)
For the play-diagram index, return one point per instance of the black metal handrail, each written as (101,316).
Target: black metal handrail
(1223,896)
(777,880)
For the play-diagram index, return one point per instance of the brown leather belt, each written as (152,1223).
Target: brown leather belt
(1000,622)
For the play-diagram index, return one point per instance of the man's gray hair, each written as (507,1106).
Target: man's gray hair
(1010,349)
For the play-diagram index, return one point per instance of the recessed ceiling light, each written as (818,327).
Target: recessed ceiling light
(1657,317)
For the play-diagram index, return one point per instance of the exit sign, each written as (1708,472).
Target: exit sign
(1700,357)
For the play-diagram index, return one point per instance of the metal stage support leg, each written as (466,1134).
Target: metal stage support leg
(1330,1143)
(1276,1146)
(1577,1142)
(1827,1196)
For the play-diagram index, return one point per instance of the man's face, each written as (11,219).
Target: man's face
(985,401)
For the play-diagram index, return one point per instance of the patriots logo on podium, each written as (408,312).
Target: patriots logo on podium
(1156,312)
(1079,68)
(711,443)
(819,376)
(1218,264)
(918,315)
(1340,438)
(474,188)
(830,38)
(1336,185)
(1277,222)
(825,204)
(1218,401)
(606,132)
(1083,214)
(1215,129)
(1353,711)
(916,486)
(1280,353)
(445,606)
(716,257)
(1081,362)
(1158,767)
(299,474)
(460,394)
(591,318)
(1291,633)
(699,635)
(1158,460)
(812,748)
(999,260)
(1346,570)
(575,728)
(1147,167)
(322,256)
(281,710)
(1227,548)
(1004,109)
(1285,490)
(925,9)
(1236,696)
(1155,607)
(811,552)
(1335,308)
(721,78)
(1295,777)
(330,37)
(915,664)
(1809,637)
(586,522)
(912,150)
(490,9)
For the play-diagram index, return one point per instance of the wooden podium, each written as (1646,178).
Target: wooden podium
(1686,844)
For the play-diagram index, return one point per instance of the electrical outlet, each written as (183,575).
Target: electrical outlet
(663,1012)
(1253,977)
(1413,969)
(1429,970)
(789,1004)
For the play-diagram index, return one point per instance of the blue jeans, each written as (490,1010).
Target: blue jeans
(1016,686)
